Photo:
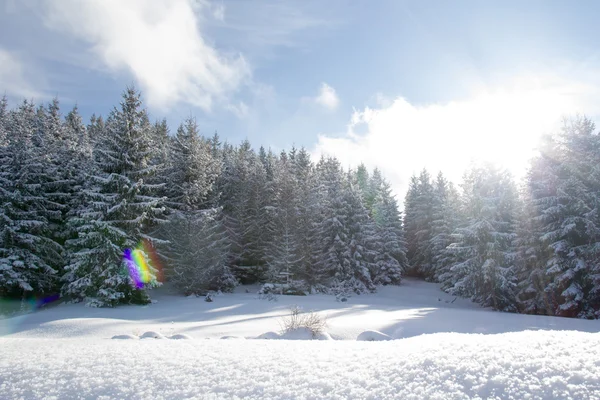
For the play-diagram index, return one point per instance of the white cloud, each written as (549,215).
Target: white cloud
(501,125)
(327,97)
(12,76)
(159,42)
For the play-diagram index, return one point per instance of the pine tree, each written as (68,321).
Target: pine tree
(484,268)
(28,255)
(419,218)
(192,171)
(564,204)
(390,254)
(444,222)
(120,207)
(282,252)
(344,254)
(199,253)
(309,212)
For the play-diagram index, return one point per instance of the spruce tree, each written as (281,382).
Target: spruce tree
(120,208)
(28,254)
(390,247)
(483,248)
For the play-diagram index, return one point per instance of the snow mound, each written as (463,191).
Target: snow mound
(373,336)
(152,335)
(324,336)
(269,335)
(179,336)
(128,336)
(233,337)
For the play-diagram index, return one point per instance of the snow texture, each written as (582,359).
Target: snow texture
(534,365)
(65,351)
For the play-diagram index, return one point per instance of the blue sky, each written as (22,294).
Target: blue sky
(398,84)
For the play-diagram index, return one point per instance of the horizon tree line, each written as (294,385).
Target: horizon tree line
(73,197)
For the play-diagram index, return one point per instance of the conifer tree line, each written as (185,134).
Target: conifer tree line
(531,249)
(75,196)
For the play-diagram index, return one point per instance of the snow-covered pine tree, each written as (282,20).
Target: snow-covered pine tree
(362,181)
(28,255)
(253,211)
(120,206)
(308,208)
(242,186)
(390,247)
(192,171)
(361,253)
(198,245)
(483,248)
(228,186)
(282,252)
(410,221)
(423,258)
(216,151)
(565,202)
(532,297)
(344,252)
(269,215)
(199,252)
(61,167)
(444,222)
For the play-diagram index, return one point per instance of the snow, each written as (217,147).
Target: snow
(373,336)
(412,309)
(269,335)
(534,365)
(124,337)
(301,333)
(152,335)
(443,349)
(180,336)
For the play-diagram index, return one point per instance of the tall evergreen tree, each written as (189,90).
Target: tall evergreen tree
(121,206)
(28,254)
(483,248)
(444,222)
(390,247)
(564,204)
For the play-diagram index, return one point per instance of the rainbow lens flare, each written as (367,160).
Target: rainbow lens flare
(140,271)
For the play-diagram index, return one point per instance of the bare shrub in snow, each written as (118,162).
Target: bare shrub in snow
(299,319)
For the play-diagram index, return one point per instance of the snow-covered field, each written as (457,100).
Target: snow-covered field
(447,350)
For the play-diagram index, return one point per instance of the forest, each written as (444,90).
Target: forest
(207,215)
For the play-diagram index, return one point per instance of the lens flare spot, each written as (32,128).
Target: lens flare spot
(141,272)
